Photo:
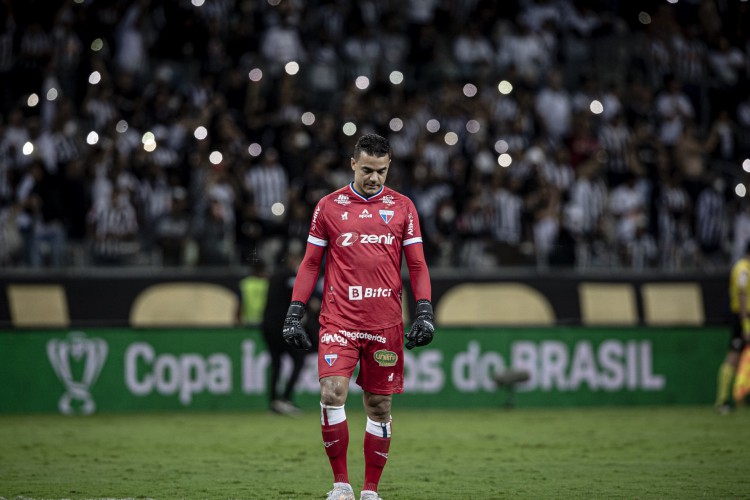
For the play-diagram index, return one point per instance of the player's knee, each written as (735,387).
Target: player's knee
(378,407)
(330,399)
(333,391)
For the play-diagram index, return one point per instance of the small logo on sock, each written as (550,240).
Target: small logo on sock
(328,444)
(384,455)
(331,358)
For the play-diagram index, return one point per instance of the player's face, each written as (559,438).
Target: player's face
(370,173)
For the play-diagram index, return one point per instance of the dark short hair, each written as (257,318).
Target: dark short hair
(373,145)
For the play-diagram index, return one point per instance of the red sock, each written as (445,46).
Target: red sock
(376,454)
(336,441)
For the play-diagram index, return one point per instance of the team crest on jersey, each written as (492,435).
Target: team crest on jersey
(388,200)
(365,214)
(331,358)
(386,215)
(342,199)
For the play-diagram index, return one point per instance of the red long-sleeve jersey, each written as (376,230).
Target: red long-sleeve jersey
(363,240)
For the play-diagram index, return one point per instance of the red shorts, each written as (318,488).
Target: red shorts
(380,354)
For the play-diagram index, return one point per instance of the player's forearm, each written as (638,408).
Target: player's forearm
(418,272)
(307,275)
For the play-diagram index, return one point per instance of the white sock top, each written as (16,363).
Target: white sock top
(379,429)
(331,415)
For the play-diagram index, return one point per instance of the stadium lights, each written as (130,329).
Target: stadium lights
(197,3)
(746,165)
(274,3)
(32,101)
(644,18)
(349,129)
(28,148)
(97,45)
(308,118)
(122,126)
(433,125)
(505,87)
(470,90)
(200,133)
(396,124)
(291,68)
(95,77)
(149,141)
(396,77)
(92,138)
(451,138)
(596,107)
(501,146)
(52,94)
(215,157)
(473,126)
(278,209)
(255,75)
(504,160)
(362,82)
(740,190)
(254,149)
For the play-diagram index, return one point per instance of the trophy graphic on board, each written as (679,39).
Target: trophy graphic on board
(77,360)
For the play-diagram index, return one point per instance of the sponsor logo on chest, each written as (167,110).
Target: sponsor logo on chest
(349,239)
(358,292)
(342,199)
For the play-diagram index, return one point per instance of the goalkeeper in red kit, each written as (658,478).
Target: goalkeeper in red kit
(363,230)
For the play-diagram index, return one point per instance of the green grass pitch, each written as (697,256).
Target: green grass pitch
(594,453)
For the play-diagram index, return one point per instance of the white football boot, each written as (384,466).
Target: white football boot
(341,491)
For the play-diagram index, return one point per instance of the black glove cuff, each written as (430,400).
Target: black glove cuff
(296,309)
(424,306)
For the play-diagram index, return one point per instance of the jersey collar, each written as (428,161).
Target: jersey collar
(363,197)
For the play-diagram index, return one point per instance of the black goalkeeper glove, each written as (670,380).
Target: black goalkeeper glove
(423,328)
(293,333)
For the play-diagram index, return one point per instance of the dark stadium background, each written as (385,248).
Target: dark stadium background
(175,141)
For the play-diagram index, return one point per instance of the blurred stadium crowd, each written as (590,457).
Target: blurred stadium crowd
(570,133)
